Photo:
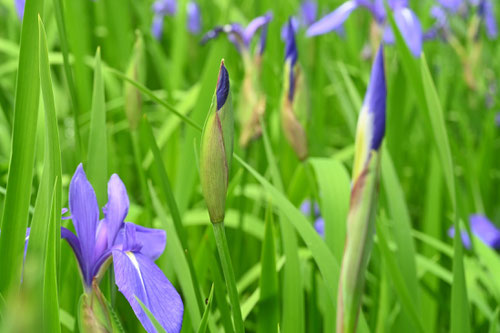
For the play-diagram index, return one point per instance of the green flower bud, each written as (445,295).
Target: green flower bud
(94,315)
(294,111)
(217,148)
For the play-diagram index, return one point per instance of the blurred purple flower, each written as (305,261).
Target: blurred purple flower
(241,37)
(308,10)
(497,119)
(451,5)
(194,17)
(406,20)
(319,223)
(487,13)
(291,56)
(162,8)
(482,228)
(132,247)
(20,4)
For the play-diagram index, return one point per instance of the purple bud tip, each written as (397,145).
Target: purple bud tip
(222,86)
(375,99)
(290,46)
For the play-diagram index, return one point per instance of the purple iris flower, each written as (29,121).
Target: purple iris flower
(20,4)
(133,249)
(162,8)
(193,17)
(406,20)
(482,228)
(242,37)
(319,223)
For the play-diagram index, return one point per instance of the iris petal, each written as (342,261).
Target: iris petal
(137,275)
(485,230)
(255,25)
(333,20)
(85,215)
(411,29)
(117,207)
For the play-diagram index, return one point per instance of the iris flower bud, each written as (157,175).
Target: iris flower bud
(364,195)
(294,109)
(217,148)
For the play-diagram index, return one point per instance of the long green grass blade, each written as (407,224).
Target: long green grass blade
(204,319)
(268,301)
(17,198)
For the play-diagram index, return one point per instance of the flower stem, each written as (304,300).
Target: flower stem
(227,268)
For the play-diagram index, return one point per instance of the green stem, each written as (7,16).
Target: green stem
(227,268)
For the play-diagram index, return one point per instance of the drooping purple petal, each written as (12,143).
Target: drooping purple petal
(263,39)
(222,86)
(157,26)
(308,10)
(20,4)
(487,12)
(485,230)
(211,34)
(116,209)
(375,100)
(193,17)
(85,216)
(75,246)
(411,30)
(319,225)
(165,7)
(254,25)
(137,275)
(332,21)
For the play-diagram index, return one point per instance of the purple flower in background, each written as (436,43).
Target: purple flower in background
(497,119)
(487,13)
(306,17)
(241,36)
(133,249)
(308,10)
(406,20)
(319,223)
(451,5)
(482,228)
(20,4)
(162,8)
(193,17)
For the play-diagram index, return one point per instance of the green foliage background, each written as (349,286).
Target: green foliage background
(63,95)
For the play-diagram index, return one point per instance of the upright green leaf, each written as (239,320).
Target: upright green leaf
(268,302)
(97,153)
(17,198)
